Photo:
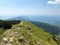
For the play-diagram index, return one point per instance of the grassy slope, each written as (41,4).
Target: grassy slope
(31,37)
(58,37)
(53,29)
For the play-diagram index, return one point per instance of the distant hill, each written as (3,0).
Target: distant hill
(19,18)
(55,20)
(2,17)
(26,33)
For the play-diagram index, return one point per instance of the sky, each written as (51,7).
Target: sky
(13,8)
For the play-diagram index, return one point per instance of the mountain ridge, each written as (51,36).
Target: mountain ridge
(28,34)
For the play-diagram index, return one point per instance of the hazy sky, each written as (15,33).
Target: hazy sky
(10,8)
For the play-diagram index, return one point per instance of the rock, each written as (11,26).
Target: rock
(5,39)
(28,27)
(16,32)
(1,43)
(12,33)
(18,28)
(8,44)
(21,39)
(11,39)
(38,43)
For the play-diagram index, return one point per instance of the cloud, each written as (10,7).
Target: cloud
(54,2)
